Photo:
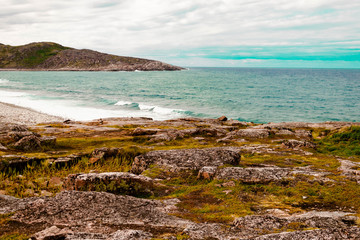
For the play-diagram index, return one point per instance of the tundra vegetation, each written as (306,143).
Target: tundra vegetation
(294,169)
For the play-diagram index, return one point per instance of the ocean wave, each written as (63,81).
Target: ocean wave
(156,110)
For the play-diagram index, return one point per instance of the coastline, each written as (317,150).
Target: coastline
(10,113)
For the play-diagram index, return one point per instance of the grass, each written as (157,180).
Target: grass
(342,143)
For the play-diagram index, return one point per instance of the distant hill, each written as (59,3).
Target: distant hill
(48,56)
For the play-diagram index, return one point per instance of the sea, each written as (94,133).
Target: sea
(258,95)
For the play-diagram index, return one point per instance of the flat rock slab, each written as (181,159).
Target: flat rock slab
(351,233)
(259,224)
(96,212)
(115,182)
(263,174)
(186,159)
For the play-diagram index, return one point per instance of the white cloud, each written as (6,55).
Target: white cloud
(143,27)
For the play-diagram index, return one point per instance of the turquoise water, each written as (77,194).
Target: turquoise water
(251,94)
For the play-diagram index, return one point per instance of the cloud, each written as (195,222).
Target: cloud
(214,29)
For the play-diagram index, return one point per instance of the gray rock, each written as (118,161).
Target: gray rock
(267,173)
(185,159)
(350,170)
(259,224)
(8,204)
(104,153)
(17,135)
(250,133)
(253,174)
(296,144)
(141,131)
(28,143)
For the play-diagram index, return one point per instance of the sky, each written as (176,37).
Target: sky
(190,33)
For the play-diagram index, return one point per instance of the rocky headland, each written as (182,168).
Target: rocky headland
(48,56)
(135,178)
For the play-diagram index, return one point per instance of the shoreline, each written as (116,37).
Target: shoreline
(10,113)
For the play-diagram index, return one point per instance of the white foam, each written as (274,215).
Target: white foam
(123,103)
(4,81)
(77,111)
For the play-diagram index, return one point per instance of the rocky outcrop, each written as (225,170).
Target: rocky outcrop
(115,182)
(185,159)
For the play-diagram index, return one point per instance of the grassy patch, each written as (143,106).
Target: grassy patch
(342,143)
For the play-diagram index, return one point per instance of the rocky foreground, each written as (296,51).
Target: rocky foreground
(48,56)
(135,178)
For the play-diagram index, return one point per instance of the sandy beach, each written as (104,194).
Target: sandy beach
(10,113)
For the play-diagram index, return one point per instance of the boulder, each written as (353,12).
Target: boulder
(103,153)
(147,131)
(222,119)
(185,159)
(28,143)
(17,135)
(207,173)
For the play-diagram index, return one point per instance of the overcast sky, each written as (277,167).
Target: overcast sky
(268,33)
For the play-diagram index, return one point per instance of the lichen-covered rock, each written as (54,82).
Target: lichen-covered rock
(267,173)
(250,133)
(185,159)
(96,212)
(130,234)
(296,144)
(259,224)
(115,182)
(253,174)
(333,233)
